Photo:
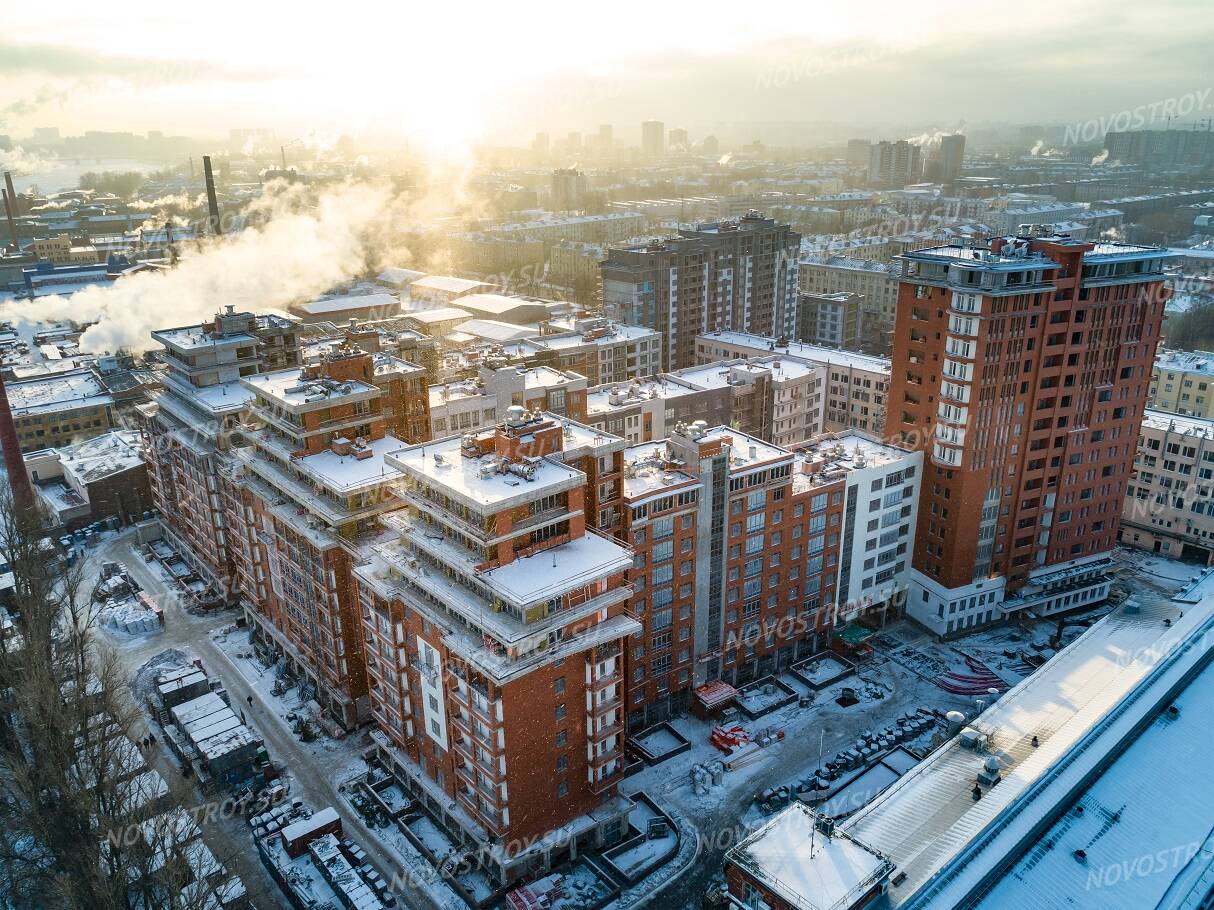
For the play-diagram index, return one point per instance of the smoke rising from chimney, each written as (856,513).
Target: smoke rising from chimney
(304,248)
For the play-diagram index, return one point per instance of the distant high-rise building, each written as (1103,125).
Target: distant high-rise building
(568,189)
(1023,369)
(895,163)
(46,135)
(726,275)
(858,151)
(606,141)
(540,144)
(678,139)
(573,142)
(952,152)
(653,140)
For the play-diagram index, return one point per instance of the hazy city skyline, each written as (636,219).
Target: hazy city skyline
(423,75)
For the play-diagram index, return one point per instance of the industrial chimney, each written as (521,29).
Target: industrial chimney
(12,223)
(14,464)
(12,195)
(212,201)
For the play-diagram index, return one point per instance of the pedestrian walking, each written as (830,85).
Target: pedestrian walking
(249,699)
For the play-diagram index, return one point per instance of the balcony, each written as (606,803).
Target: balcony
(599,708)
(608,781)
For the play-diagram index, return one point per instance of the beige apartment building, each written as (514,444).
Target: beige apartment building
(1183,382)
(1168,508)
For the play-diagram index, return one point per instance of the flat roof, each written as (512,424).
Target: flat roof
(441,314)
(347,302)
(57,392)
(554,571)
(292,390)
(494,330)
(765,344)
(1178,423)
(1185,361)
(1081,706)
(805,867)
(646,473)
(1144,827)
(441,464)
(746,451)
(448,283)
(193,337)
(346,473)
(102,456)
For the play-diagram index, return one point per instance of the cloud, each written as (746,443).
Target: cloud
(61,62)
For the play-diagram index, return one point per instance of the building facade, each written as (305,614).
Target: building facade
(1023,371)
(856,386)
(304,492)
(738,275)
(1183,382)
(495,620)
(190,425)
(1168,507)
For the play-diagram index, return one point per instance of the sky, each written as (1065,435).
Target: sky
(447,74)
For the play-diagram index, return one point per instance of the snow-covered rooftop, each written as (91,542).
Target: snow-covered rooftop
(1081,707)
(1185,361)
(57,392)
(552,572)
(805,867)
(386,304)
(347,474)
(101,456)
(447,284)
(763,344)
(475,481)
(1178,423)
(441,314)
(289,389)
(495,330)
(646,473)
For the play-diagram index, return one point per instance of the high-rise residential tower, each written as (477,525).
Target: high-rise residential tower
(728,275)
(1023,370)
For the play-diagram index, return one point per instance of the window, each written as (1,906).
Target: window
(562,789)
(560,711)
(562,738)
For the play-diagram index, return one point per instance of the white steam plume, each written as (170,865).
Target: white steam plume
(1102,157)
(298,253)
(23,163)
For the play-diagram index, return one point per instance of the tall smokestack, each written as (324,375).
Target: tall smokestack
(12,194)
(212,201)
(12,223)
(14,464)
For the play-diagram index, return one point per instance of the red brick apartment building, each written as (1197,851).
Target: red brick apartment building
(189,425)
(304,492)
(748,554)
(495,622)
(1022,370)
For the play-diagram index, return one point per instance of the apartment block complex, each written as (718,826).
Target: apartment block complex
(301,495)
(877,281)
(603,351)
(495,623)
(1168,505)
(189,426)
(403,385)
(472,403)
(749,554)
(60,408)
(1183,382)
(1023,371)
(856,385)
(737,275)
(835,320)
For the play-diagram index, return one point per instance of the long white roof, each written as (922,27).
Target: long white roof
(1080,706)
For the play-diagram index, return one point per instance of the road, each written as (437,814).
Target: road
(310,780)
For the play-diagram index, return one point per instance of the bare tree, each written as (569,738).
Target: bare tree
(84,823)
